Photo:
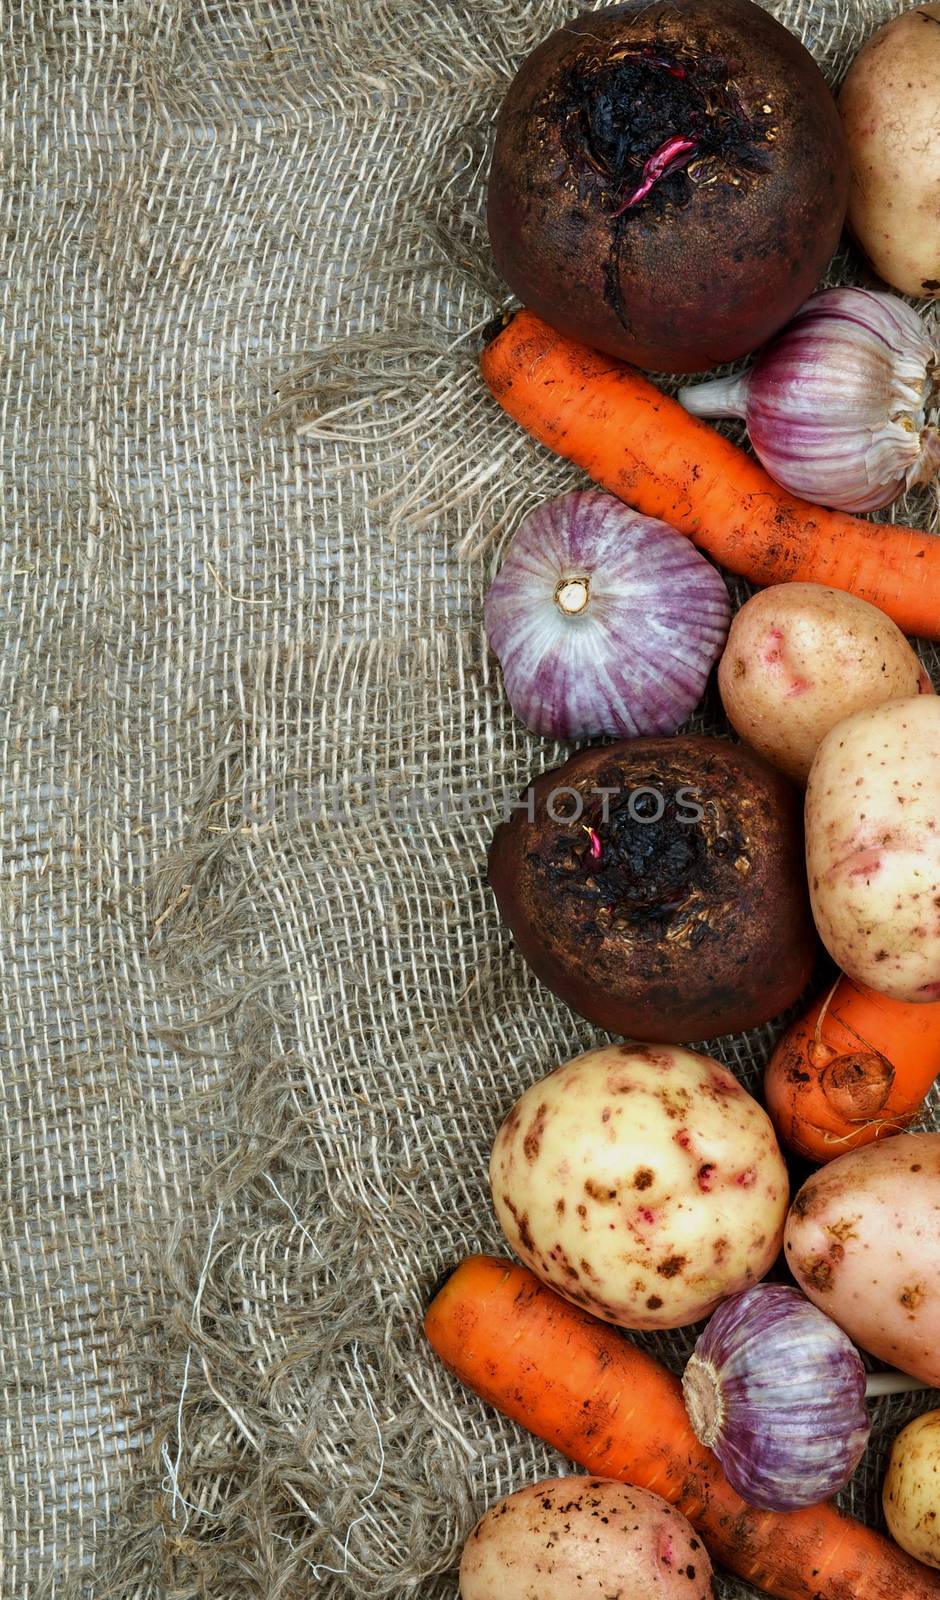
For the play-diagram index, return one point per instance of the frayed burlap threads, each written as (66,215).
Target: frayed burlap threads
(260,1022)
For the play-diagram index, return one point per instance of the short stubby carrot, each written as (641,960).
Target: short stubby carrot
(644,447)
(581,1386)
(854,1068)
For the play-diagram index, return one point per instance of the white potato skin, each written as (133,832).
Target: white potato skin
(642,1182)
(873,847)
(801,657)
(863,1242)
(911,1494)
(890,106)
(584,1539)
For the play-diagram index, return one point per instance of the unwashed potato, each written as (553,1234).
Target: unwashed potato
(873,847)
(890,105)
(800,658)
(642,1183)
(584,1539)
(863,1242)
(911,1494)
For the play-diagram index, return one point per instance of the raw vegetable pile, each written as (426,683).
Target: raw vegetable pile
(672,888)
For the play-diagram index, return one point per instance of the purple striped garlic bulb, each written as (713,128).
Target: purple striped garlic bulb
(604,621)
(837,404)
(777,1391)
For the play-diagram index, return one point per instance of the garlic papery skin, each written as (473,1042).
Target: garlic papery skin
(777,1391)
(837,404)
(604,621)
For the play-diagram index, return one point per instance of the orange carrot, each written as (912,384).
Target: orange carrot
(581,1386)
(642,446)
(854,1069)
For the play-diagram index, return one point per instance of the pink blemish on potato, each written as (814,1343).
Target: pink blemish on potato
(667,1554)
(773,651)
(725,1085)
(867,864)
(775,655)
(706,1176)
(747,1178)
(860,863)
(932,990)
(683,1139)
(646,1214)
(863,854)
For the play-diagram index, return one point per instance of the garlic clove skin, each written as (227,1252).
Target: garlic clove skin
(604,621)
(928,466)
(836,405)
(777,1391)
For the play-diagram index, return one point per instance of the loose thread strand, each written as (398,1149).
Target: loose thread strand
(343,1570)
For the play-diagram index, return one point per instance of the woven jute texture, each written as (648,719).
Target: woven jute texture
(259,1019)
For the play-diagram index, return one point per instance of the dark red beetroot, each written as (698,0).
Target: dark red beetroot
(676,929)
(669,180)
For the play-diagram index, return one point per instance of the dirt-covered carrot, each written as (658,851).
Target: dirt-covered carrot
(584,1388)
(642,446)
(853,1069)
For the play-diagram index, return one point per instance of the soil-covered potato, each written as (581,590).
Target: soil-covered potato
(911,1494)
(643,1183)
(873,847)
(863,1242)
(890,105)
(801,657)
(659,887)
(669,180)
(584,1539)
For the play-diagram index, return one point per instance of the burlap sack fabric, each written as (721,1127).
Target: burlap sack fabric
(260,1022)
